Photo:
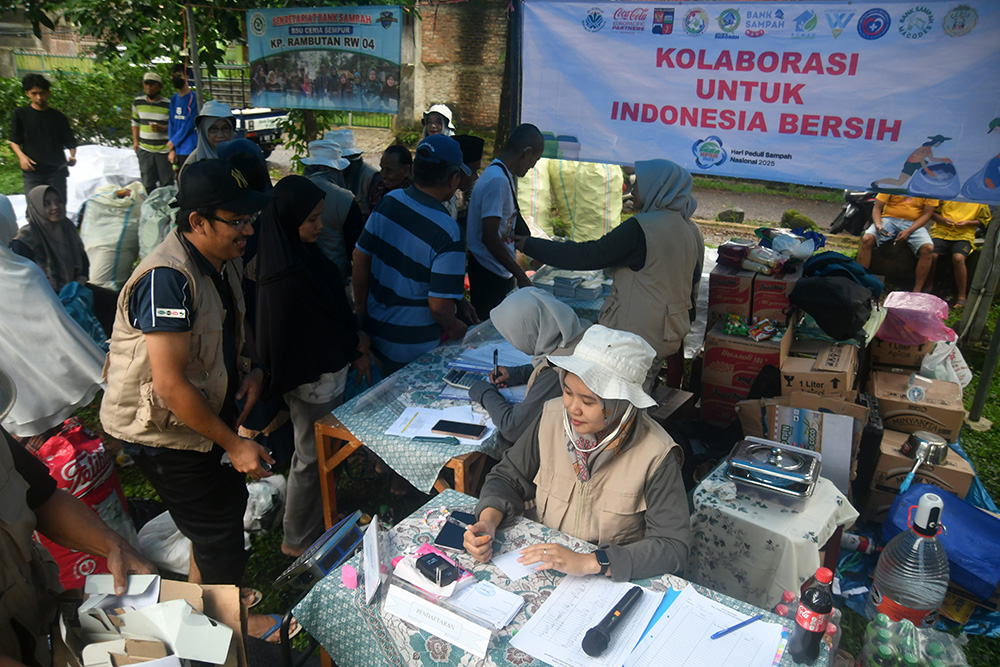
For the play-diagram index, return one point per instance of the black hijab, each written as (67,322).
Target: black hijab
(305,326)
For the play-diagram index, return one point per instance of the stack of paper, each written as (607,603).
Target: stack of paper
(589,289)
(486,601)
(512,394)
(481,358)
(564,283)
(544,282)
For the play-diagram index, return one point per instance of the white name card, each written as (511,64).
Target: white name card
(435,619)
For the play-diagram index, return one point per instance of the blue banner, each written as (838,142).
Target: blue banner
(325,58)
(902,94)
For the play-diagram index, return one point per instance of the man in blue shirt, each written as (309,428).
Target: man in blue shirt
(181,134)
(409,264)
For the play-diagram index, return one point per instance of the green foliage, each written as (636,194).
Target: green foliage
(792,219)
(10,172)
(302,126)
(777,189)
(410,136)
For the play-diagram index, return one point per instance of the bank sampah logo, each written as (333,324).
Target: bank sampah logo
(708,152)
(258,25)
(874,23)
(916,22)
(594,20)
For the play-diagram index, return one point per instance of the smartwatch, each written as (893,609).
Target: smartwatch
(602,560)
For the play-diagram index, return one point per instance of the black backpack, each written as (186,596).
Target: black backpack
(839,305)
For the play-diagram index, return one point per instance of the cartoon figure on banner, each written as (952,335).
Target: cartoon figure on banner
(929,166)
(984,185)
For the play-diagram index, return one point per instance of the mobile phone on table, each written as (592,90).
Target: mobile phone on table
(452,534)
(459,429)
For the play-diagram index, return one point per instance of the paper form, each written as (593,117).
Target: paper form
(418,422)
(508,564)
(555,632)
(684,634)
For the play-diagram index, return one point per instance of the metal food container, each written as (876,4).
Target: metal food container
(775,469)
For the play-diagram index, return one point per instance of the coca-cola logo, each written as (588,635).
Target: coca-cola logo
(85,471)
(637,14)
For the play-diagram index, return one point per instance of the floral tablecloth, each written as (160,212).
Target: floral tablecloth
(360,635)
(753,549)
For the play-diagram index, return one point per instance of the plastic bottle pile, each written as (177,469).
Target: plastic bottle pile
(902,644)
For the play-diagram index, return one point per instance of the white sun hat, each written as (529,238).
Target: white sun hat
(326,153)
(612,363)
(344,139)
(449,127)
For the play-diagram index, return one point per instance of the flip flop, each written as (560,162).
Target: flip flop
(250,597)
(959,303)
(292,631)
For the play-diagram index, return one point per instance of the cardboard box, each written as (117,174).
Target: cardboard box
(954,475)
(894,355)
(940,411)
(831,435)
(736,361)
(718,404)
(770,294)
(876,510)
(831,373)
(730,292)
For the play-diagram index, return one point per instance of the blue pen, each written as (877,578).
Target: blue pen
(723,633)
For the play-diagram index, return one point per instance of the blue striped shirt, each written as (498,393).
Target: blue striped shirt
(417,252)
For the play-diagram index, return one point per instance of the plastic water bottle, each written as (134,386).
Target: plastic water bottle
(811,619)
(911,577)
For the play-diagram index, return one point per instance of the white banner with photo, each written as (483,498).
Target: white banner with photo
(902,95)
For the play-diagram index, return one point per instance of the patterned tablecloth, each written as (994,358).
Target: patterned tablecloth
(359,635)
(755,549)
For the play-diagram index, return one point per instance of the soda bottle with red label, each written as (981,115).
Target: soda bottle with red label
(811,619)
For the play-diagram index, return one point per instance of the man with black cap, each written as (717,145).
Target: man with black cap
(150,122)
(409,264)
(181,374)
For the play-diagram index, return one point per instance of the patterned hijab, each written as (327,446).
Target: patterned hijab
(588,452)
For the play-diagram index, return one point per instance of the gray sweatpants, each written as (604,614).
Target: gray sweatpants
(156,170)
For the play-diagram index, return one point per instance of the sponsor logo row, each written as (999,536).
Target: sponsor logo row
(733,23)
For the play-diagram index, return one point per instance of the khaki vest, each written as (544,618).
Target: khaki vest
(29,578)
(655,301)
(610,507)
(131,410)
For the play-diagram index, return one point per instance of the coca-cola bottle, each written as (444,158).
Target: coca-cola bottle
(811,619)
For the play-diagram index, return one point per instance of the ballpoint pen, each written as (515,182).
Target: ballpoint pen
(723,633)
(496,364)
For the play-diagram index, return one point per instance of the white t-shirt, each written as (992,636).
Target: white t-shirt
(491,198)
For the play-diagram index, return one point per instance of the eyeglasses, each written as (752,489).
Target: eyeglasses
(226,129)
(240,223)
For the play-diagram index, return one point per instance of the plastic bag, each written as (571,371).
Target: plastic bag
(588,196)
(156,219)
(162,543)
(265,503)
(534,196)
(913,318)
(110,233)
(945,362)
(78,300)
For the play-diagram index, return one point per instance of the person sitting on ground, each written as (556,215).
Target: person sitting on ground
(50,239)
(597,467)
(438,120)
(300,293)
(394,173)
(900,218)
(655,259)
(536,323)
(215,124)
(953,234)
(493,214)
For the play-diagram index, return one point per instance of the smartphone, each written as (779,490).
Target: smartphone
(459,429)
(452,535)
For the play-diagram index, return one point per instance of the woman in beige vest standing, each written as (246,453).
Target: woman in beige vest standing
(597,467)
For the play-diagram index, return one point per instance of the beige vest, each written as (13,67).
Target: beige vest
(654,301)
(610,507)
(131,410)
(29,578)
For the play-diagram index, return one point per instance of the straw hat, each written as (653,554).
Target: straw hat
(8,394)
(344,139)
(612,363)
(326,153)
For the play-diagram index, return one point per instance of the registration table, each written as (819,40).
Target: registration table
(356,634)
(755,549)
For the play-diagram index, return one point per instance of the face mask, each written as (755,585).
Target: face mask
(178,82)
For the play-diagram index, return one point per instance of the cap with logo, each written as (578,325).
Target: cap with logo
(218,184)
(442,149)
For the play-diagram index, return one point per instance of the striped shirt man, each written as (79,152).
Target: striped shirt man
(417,251)
(151,117)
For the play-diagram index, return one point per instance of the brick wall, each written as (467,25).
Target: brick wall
(461,62)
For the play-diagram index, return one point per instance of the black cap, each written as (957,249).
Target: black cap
(472,147)
(218,184)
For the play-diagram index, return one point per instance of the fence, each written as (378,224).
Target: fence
(26,62)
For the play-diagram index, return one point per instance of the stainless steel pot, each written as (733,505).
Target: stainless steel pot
(926,447)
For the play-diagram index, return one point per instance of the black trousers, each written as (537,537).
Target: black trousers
(486,289)
(32,179)
(207,501)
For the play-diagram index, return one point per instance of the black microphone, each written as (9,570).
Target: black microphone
(597,638)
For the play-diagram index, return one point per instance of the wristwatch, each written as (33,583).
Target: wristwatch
(602,560)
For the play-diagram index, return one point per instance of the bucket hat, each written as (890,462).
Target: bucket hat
(344,139)
(326,153)
(8,394)
(612,363)
(215,109)
(444,111)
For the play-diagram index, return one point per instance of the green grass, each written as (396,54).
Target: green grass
(744,186)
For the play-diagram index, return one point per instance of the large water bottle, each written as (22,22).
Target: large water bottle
(911,577)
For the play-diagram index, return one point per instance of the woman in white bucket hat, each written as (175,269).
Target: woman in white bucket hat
(597,468)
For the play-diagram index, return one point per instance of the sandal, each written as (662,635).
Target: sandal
(250,597)
(293,629)
(959,303)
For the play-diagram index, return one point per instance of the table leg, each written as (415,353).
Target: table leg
(334,443)
(467,469)
(324,658)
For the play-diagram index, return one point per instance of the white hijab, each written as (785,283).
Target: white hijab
(52,385)
(536,323)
